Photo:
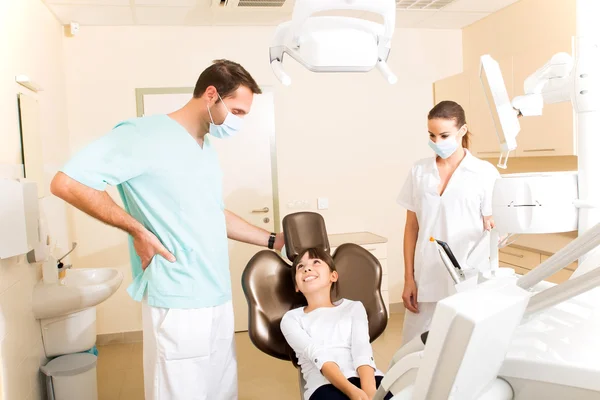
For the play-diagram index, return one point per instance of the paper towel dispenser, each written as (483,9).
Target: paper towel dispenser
(19,218)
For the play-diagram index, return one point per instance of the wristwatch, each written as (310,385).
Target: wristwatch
(272,240)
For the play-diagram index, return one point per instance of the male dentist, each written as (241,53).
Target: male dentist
(168,176)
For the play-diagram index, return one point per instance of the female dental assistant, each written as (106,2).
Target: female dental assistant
(449,197)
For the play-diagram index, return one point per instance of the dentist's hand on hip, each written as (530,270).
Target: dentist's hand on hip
(147,246)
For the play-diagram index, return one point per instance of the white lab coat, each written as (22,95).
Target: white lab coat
(455,217)
(189,353)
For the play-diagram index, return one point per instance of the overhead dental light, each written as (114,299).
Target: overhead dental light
(335,43)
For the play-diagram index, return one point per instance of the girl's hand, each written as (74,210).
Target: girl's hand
(371,393)
(409,296)
(359,394)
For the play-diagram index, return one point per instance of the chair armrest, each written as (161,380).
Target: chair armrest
(401,367)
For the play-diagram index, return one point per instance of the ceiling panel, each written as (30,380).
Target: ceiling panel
(422,4)
(89,2)
(94,15)
(249,17)
(411,19)
(457,15)
(451,20)
(479,5)
(168,3)
(169,16)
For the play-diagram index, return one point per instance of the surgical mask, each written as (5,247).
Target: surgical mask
(444,148)
(228,128)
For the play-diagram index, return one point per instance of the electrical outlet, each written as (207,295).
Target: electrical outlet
(322,203)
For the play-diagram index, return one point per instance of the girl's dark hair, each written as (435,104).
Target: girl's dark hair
(451,110)
(317,254)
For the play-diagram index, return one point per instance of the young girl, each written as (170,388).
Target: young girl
(331,341)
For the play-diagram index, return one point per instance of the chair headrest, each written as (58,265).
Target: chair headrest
(304,230)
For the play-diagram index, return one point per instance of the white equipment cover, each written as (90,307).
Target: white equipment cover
(335,43)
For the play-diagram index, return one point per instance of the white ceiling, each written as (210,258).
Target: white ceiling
(453,14)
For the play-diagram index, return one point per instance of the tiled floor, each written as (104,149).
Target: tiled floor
(261,377)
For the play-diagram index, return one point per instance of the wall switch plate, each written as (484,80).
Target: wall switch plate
(322,203)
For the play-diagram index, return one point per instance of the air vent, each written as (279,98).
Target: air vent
(422,4)
(261,3)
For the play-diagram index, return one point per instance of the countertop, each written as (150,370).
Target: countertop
(360,238)
(547,244)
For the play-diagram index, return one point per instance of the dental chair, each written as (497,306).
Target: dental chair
(269,289)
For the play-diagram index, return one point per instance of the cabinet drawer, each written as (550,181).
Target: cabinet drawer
(518,270)
(386,300)
(384,267)
(378,250)
(572,267)
(559,277)
(518,257)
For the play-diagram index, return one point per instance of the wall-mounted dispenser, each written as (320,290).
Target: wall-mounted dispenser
(20,221)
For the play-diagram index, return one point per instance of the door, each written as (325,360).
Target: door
(247,161)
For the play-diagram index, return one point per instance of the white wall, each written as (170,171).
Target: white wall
(30,44)
(351,138)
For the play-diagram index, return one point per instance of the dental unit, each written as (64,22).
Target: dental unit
(507,336)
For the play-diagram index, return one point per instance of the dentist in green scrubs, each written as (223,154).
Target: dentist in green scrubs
(167,173)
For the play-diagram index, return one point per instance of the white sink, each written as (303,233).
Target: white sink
(80,289)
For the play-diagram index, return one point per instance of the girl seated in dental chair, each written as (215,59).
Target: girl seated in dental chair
(331,341)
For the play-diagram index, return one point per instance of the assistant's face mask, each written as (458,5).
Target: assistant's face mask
(228,128)
(444,148)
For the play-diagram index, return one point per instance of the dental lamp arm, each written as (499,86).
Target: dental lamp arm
(565,256)
(549,84)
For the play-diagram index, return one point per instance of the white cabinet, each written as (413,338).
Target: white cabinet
(375,244)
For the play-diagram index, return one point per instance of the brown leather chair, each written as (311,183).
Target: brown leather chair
(270,292)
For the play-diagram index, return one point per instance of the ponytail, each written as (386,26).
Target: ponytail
(466,140)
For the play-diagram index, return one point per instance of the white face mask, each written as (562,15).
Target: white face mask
(228,128)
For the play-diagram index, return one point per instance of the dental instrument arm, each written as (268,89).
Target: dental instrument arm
(565,291)
(549,84)
(580,246)
(99,205)
(242,231)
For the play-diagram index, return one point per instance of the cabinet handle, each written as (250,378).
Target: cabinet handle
(512,254)
(537,150)
(371,249)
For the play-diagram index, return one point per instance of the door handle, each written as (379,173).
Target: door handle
(262,210)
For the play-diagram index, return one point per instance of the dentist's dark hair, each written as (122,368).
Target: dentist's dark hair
(451,110)
(315,254)
(226,76)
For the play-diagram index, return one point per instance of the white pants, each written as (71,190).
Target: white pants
(416,324)
(189,354)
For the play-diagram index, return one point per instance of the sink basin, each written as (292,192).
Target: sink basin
(80,289)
